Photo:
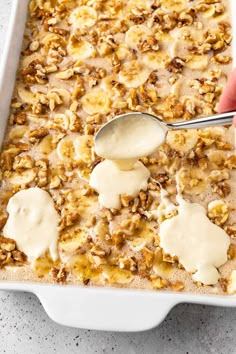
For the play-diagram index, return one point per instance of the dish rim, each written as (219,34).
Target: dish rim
(92,307)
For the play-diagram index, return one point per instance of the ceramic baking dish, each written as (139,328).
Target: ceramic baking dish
(94,308)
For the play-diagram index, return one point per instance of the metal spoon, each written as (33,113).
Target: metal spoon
(203,122)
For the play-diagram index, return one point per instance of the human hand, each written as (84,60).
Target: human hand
(228,98)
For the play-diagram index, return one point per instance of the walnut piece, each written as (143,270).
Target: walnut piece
(218,212)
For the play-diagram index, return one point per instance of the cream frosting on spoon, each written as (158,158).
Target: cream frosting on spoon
(122,144)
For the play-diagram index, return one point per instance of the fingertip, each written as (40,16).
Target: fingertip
(228,98)
(234,121)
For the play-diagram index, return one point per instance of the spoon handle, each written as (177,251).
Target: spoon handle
(218,119)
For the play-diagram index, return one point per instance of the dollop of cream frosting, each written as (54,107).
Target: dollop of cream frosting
(111,182)
(200,245)
(32,223)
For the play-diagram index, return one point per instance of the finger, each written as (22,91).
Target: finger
(234,121)
(228,99)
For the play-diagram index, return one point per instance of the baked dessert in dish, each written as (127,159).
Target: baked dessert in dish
(83,63)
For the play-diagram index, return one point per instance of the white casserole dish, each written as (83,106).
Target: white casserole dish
(76,306)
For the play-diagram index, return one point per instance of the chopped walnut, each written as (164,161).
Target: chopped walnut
(3,219)
(148,256)
(231,230)
(158,282)
(231,162)
(176,65)
(178,286)
(69,220)
(9,255)
(20,118)
(222,59)
(150,43)
(36,134)
(218,212)
(218,176)
(59,274)
(222,189)
(42,178)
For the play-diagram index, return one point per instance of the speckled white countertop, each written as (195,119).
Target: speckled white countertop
(25,328)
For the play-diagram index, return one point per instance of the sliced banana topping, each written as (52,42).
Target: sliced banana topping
(63,94)
(96,101)
(173,5)
(136,35)
(75,147)
(192,180)
(216,12)
(184,38)
(116,275)
(52,39)
(108,82)
(23,177)
(18,132)
(83,17)
(182,141)
(156,60)
(123,52)
(133,74)
(26,95)
(141,5)
(80,50)
(29,58)
(197,62)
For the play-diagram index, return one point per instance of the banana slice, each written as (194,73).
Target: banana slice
(29,58)
(108,82)
(133,74)
(69,247)
(23,177)
(51,39)
(173,5)
(80,50)
(116,275)
(197,62)
(123,52)
(139,4)
(96,101)
(83,17)
(46,146)
(18,132)
(182,39)
(214,12)
(155,60)
(59,95)
(136,34)
(75,147)
(27,96)
(209,11)
(192,180)
(182,141)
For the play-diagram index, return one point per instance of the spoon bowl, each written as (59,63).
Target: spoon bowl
(203,122)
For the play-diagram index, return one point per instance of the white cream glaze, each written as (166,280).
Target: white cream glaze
(200,245)
(165,207)
(206,274)
(122,144)
(111,182)
(232,283)
(131,137)
(32,223)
